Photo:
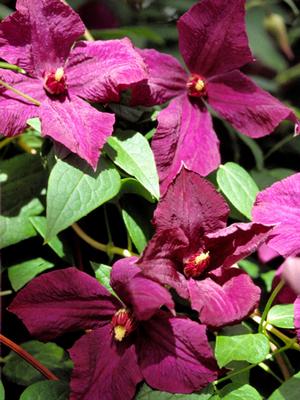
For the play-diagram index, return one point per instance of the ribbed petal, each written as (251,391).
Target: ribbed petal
(143,296)
(99,71)
(15,110)
(174,355)
(103,368)
(38,37)
(184,136)
(289,270)
(167,79)
(297,317)
(212,37)
(280,204)
(77,125)
(266,254)
(63,301)
(225,299)
(248,108)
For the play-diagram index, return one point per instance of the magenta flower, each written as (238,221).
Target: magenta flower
(289,270)
(193,251)
(130,340)
(213,44)
(280,205)
(39,37)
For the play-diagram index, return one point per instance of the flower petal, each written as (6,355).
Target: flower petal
(297,316)
(99,71)
(248,108)
(63,301)
(289,270)
(237,241)
(184,136)
(167,79)
(103,369)
(77,125)
(174,355)
(14,109)
(212,37)
(143,296)
(280,204)
(225,299)
(38,37)
(266,254)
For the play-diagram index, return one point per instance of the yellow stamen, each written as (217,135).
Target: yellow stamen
(201,257)
(59,73)
(120,332)
(199,85)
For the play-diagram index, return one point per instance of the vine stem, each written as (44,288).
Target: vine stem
(18,92)
(106,248)
(269,304)
(28,358)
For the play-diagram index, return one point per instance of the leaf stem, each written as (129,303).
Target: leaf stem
(106,248)
(28,358)
(88,36)
(6,141)
(18,92)
(269,304)
(11,67)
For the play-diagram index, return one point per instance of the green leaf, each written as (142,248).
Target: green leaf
(238,186)
(2,392)
(35,123)
(267,278)
(245,392)
(146,393)
(250,267)
(73,192)
(131,185)
(46,390)
(102,274)
(22,181)
(282,316)
(49,354)
(132,152)
(289,390)
(267,177)
(22,273)
(251,347)
(40,224)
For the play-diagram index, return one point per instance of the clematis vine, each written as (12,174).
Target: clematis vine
(39,38)
(126,340)
(214,45)
(193,251)
(280,205)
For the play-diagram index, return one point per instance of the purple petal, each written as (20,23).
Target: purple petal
(77,125)
(225,300)
(266,254)
(184,136)
(297,317)
(248,108)
(192,204)
(39,36)
(99,71)
(103,369)
(280,204)
(167,79)
(14,109)
(63,301)
(212,37)
(144,296)
(175,356)
(237,241)
(289,270)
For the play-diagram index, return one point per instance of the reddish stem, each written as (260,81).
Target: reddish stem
(29,358)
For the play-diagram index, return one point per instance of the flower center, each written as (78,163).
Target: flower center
(195,265)
(122,323)
(196,86)
(55,82)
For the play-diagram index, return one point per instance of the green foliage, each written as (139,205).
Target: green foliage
(46,390)
(245,392)
(74,191)
(289,390)
(102,274)
(2,392)
(282,316)
(146,393)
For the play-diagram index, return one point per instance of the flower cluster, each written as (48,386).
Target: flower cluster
(136,333)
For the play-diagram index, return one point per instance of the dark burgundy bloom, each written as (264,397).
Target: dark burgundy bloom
(39,37)
(280,205)
(213,44)
(127,341)
(193,251)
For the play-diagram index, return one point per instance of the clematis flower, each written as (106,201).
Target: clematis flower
(38,38)
(193,251)
(214,45)
(128,340)
(280,205)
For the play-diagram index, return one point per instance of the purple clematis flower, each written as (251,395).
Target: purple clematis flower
(128,340)
(193,251)
(280,205)
(39,37)
(214,45)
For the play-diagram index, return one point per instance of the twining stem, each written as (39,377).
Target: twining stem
(109,249)
(278,145)
(11,67)
(269,304)
(281,363)
(28,358)
(5,292)
(88,36)
(18,92)
(6,141)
